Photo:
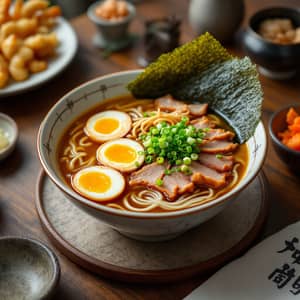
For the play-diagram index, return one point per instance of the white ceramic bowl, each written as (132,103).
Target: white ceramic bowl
(143,226)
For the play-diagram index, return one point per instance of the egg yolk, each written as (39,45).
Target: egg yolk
(95,182)
(120,153)
(106,125)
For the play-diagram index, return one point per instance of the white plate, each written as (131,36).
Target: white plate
(65,53)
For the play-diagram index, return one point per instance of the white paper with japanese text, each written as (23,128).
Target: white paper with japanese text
(269,271)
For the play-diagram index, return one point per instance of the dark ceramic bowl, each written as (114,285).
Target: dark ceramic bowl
(278,124)
(28,269)
(275,61)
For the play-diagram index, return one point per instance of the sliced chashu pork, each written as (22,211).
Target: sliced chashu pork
(221,164)
(175,184)
(198,110)
(218,134)
(203,123)
(218,146)
(169,104)
(203,175)
(148,175)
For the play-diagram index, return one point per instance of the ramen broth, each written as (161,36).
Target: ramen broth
(88,148)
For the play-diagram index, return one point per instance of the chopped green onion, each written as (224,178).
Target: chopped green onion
(150,150)
(159,182)
(141,152)
(194,156)
(178,162)
(159,126)
(162,153)
(185,119)
(160,160)
(219,156)
(147,143)
(191,140)
(184,168)
(163,144)
(174,130)
(168,172)
(187,161)
(154,131)
(177,144)
(148,159)
(137,164)
(201,135)
(189,149)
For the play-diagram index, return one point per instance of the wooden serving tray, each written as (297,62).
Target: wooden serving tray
(100,249)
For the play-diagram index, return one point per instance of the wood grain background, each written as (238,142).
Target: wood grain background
(18,174)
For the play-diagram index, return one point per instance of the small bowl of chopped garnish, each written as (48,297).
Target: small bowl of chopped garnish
(272,40)
(112,18)
(8,135)
(284,129)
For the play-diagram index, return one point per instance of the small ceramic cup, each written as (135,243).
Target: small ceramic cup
(111,34)
(28,269)
(278,124)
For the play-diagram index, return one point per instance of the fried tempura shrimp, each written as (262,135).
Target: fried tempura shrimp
(17,11)
(17,66)
(42,44)
(4,11)
(36,66)
(4,75)
(31,7)
(10,46)
(27,39)
(22,28)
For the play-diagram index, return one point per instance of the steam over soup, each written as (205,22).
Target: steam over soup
(151,155)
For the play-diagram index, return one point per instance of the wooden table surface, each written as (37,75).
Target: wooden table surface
(19,172)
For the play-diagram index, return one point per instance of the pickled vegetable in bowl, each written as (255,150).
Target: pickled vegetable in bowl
(291,136)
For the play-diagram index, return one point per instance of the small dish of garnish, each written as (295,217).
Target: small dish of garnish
(112,18)
(272,40)
(280,31)
(8,135)
(112,10)
(284,129)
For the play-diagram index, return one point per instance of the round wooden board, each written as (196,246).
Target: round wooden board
(100,249)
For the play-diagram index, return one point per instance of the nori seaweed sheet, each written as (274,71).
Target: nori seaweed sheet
(232,90)
(160,77)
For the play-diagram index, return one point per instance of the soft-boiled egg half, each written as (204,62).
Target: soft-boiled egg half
(99,183)
(122,154)
(107,125)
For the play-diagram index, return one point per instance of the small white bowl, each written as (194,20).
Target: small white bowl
(10,128)
(143,226)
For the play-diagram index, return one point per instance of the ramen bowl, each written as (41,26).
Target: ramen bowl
(148,226)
